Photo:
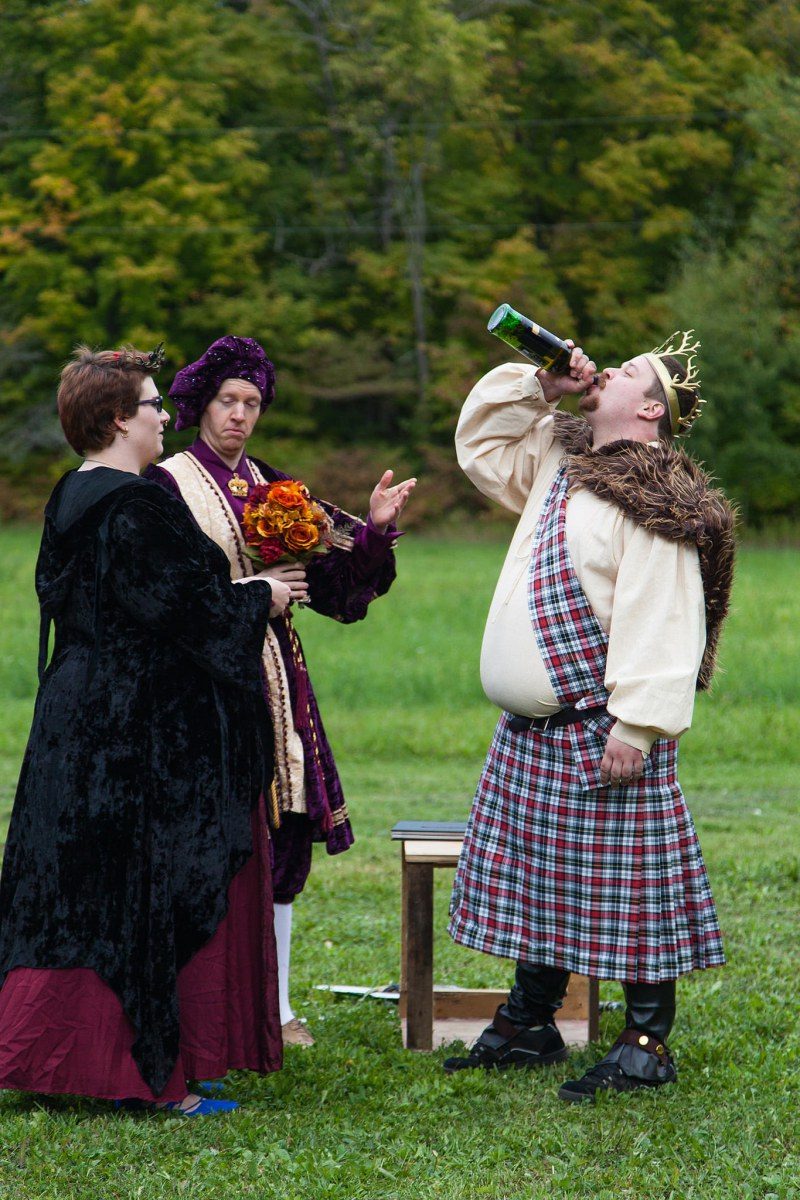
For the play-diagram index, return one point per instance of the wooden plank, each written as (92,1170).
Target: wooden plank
(419,955)
(576,1001)
(440,854)
(594,1010)
(435,830)
(466,1003)
(403,934)
(449,1031)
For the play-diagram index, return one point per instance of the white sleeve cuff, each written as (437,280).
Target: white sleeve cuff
(638,736)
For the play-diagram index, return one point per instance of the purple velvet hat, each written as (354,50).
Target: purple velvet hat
(227,358)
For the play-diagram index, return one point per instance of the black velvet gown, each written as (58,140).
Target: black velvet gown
(149,747)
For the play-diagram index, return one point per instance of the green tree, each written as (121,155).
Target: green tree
(396,156)
(359,183)
(624,150)
(126,207)
(745,298)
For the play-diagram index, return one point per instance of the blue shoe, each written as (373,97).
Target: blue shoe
(201,1108)
(210,1087)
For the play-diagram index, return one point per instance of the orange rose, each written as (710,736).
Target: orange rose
(302,536)
(288,493)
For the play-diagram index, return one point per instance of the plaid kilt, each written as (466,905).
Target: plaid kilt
(609,882)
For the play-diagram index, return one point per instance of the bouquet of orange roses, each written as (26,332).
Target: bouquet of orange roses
(281,521)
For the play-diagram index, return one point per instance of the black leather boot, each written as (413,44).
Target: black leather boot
(536,996)
(650,1008)
(523,1032)
(639,1057)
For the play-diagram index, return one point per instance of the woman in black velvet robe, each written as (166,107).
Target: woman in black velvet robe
(149,750)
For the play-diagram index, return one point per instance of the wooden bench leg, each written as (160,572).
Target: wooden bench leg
(418,954)
(594,1011)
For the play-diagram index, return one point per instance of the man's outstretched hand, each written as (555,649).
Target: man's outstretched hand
(387,502)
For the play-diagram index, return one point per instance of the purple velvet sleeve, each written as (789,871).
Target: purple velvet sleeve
(343,583)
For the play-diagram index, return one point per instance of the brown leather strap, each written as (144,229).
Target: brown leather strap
(634,1037)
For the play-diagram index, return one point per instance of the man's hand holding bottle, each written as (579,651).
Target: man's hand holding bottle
(563,367)
(576,380)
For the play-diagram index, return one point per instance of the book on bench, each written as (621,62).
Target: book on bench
(428,831)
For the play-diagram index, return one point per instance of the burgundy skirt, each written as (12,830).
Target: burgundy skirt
(64,1031)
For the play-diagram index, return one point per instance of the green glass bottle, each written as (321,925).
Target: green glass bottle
(542,347)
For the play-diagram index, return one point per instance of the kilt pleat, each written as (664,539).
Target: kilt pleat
(608,882)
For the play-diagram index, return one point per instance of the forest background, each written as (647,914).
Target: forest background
(357,184)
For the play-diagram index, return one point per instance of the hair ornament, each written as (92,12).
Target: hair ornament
(154,361)
(128,359)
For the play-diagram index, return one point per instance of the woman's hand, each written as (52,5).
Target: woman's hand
(281,592)
(387,502)
(281,595)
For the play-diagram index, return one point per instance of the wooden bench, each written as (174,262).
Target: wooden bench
(424,846)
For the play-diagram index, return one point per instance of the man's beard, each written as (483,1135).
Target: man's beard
(589,404)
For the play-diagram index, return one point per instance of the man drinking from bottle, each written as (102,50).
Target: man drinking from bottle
(580,854)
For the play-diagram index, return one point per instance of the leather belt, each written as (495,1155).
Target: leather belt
(564,716)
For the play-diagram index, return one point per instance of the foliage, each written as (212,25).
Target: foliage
(124,219)
(747,298)
(358,184)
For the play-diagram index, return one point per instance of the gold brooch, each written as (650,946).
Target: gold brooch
(238,486)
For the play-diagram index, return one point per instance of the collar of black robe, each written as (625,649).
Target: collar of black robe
(78,491)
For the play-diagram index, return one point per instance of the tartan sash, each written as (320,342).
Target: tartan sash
(571,640)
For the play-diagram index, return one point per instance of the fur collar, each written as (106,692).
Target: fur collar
(664,490)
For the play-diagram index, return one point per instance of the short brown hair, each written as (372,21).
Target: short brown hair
(687,398)
(96,387)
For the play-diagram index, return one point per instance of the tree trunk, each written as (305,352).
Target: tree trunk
(415,234)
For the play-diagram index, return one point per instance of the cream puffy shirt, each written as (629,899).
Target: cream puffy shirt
(645,590)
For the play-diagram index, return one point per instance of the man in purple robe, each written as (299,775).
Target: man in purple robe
(225,392)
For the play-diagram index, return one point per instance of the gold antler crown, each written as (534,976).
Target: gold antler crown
(686,349)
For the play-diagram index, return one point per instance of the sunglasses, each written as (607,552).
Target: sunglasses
(157,403)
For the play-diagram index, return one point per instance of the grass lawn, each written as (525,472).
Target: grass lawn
(357,1117)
